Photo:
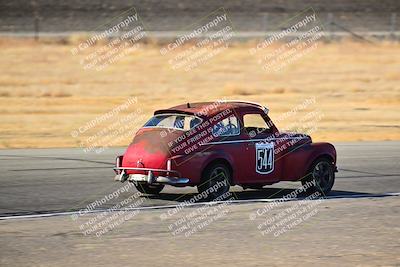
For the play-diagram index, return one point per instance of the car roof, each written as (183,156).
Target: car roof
(210,108)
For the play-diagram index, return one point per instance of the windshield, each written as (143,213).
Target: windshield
(176,121)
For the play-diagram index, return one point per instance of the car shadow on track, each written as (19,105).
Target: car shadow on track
(264,193)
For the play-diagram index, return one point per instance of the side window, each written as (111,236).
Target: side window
(227,127)
(255,124)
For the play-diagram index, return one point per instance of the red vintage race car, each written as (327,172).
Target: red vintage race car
(219,144)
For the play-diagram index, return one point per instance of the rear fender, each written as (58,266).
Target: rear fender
(193,165)
(218,155)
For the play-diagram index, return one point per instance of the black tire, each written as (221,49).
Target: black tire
(217,175)
(322,174)
(149,189)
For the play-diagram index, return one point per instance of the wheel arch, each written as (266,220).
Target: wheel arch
(219,160)
(319,157)
(321,150)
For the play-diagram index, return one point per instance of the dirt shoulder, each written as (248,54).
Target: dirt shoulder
(45,94)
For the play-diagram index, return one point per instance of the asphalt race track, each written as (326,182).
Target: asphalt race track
(36,181)
(43,189)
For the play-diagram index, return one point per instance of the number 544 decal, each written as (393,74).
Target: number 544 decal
(264,158)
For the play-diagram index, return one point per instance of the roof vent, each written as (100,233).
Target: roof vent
(188,105)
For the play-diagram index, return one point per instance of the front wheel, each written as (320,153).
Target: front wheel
(149,189)
(321,176)
(215,182)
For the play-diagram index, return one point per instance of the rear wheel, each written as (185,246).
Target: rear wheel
(216,182)
(321,175)
(149,189)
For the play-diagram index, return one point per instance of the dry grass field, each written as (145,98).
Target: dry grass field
(45,94)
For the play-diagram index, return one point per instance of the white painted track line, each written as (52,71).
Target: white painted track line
(66,213)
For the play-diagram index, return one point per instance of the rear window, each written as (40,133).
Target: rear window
(176,121)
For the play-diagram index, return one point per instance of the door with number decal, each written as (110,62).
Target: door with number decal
(261,149)
(264,157)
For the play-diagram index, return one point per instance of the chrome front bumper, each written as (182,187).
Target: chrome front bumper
(149,178)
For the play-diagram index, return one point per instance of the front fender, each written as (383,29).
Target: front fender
(319,150)
(298,162)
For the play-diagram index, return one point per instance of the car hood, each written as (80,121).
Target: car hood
(299,138)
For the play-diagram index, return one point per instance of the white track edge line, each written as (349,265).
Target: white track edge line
(32,216)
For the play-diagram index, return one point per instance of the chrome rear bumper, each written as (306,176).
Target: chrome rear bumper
(149,178)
